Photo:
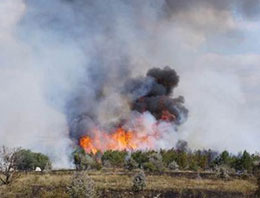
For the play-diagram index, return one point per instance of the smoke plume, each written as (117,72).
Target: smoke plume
(68,66)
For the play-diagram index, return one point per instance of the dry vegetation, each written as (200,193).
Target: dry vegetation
(54,184)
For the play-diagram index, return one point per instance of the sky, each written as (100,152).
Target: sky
(51,50)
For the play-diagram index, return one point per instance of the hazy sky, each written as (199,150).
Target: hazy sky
(50,49)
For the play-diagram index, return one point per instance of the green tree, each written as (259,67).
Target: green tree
(85,161)
(243,162)
(224,159)
(140,157)
(182,160)
(116,158)
(28,160)
(168,156)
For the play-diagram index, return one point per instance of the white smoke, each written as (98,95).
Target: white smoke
(27,119)
(49,50)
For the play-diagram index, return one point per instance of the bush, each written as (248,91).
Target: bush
(173,166)
(223,173)
(130,163)
(193,166)
(28,160)
(82,186)
(139,182)
(156,160)
(149,166)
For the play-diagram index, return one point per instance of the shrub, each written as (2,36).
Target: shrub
(149,166)
(173,166)
(130,163)
(107,164)
(223,173)
(82,186)
(156,160)
(139,182)
(193,166)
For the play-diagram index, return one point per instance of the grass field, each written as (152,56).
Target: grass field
(54,184)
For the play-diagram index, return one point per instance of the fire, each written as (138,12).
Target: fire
(120,139)
(86,143)
(167,116)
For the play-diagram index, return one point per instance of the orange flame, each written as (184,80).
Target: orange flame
(120,139)
(86,143)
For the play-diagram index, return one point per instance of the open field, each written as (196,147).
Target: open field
(116,183)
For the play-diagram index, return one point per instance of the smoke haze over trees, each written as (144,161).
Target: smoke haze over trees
(61,59)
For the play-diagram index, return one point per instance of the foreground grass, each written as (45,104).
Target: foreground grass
(54,185)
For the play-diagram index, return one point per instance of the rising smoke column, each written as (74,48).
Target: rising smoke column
(151,104)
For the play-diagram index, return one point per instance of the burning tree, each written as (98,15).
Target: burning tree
(8,159)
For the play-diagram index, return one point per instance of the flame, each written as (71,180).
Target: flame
(86,143)
(120,139)
(167,116)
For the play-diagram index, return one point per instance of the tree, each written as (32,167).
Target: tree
(224,159)
(182,159)
(246,161)
(116,158)
(28,160)
(140,157)
(168,156)
(8,164)
(84,161)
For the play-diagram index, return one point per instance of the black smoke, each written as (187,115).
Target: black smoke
(153,93)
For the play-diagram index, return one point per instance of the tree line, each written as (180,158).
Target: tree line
(179,158)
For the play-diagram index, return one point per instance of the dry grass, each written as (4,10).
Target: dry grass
(54,185)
